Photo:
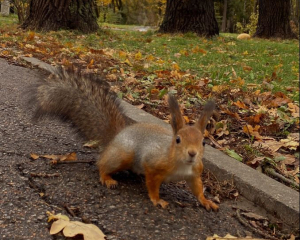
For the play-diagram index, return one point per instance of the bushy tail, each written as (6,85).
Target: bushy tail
(84,100)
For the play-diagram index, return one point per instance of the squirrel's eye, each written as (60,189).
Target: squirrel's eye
(178,140)
(203,143)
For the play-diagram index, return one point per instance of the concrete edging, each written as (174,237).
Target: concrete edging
(262,190)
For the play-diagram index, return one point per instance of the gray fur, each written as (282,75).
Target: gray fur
(85,101)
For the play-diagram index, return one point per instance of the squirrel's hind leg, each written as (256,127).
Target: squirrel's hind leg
(113,160)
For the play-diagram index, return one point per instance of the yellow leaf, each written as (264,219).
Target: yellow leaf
(184,52)
(122,54)
(30,36)
(150,58)
(138,56)
(175,66)
(186,119)
(128,62)
(90,64)
(290,143)
(160,61)
(56,217)
(218,88)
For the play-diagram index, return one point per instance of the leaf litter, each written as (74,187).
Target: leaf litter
(252,123)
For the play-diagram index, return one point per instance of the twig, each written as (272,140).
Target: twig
(273,173)
(45,175)
(71,162)
(69,210)
(242,221)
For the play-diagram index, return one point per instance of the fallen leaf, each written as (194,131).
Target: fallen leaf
(247,68)
(175,66)
(240,104)
(34,156)
(273,145)
(233,154)
(67,157)
(128,62)
(138,55)
(73,228)
(112,77)
(290,143)
(92,144)
(58,216)
(122,54)
(252,131)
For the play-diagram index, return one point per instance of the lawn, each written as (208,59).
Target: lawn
(254,82)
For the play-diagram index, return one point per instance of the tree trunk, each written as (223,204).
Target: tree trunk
(5,7)
(273,19)
(62,14)
(190,16)
(224,18)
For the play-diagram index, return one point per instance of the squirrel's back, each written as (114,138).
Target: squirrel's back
(84,100)
(147,141)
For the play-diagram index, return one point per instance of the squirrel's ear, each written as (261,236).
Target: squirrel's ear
(177,121)
(205,115)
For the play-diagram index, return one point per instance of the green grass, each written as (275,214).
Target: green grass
(254,60)
(10,20)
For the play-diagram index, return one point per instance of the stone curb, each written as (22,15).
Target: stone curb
(273,196)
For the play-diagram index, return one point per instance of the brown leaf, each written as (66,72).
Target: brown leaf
(232,114)
(240,104)
(112,77)
(269,144)
(247,68)
(278,102)
(252,131)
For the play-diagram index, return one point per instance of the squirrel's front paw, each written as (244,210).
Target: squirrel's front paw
(160,202)
(108,181)
(210,205)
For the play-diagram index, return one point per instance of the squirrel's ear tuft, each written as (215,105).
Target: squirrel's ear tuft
(205,115)
(177,121)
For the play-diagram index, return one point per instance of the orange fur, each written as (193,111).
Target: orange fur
(150,149)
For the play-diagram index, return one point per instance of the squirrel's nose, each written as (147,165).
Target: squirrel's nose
(192,153)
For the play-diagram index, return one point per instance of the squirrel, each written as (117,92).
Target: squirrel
(159,153)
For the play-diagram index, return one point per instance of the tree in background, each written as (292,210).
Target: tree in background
(190,16)
(139,12)
(62,14)
(21,7)
(273,19)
